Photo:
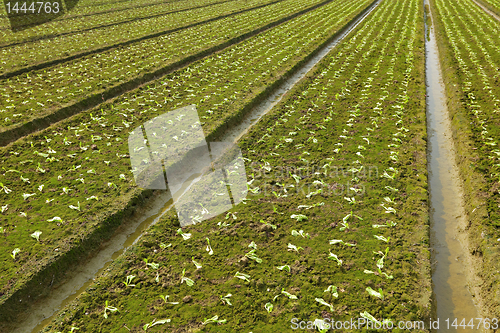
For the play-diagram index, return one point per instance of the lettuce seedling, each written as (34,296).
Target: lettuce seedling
(269,224)
(242,276)
(225,299)
(269,307)
(299,217)
(75,207)
(333,290)
(198,266)
(293,247)
(345,226)
(351,214)
(275,210)
(36,235)
(284,268)
(155,322)
(388,210)
(26,195)
(214,319)
(322,326)
(300,233)
(389,200)
(337,241)
(188,281)
(164,298)
(334,257)
(290,296)
(382,238)
(388,224)
(323,302)
(109,308)
(297,178)
(209,248)
(253,256)
(5,189)
(233,215)
(378,294)
(392,189)
(184,235)
(129,280)
(15,252)
(220,224)
(368,316)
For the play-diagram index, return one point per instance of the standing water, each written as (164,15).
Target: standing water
(452,298)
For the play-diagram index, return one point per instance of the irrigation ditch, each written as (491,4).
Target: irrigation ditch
(158,203)
(453,273)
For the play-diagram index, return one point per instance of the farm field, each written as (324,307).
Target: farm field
(99,17)
(338,234)
(493,5)
(339,216)
(88,164)
(75,45)
(104,71)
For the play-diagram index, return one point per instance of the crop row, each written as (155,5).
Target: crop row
(36,52)
(42,92)
(308,242)
(98,21)
(471,56)
(87,8)
(71,176)
(493,5)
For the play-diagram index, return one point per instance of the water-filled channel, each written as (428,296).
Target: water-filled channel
(452,298)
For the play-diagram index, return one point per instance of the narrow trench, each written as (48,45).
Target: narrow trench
(43,311)
(451,296)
